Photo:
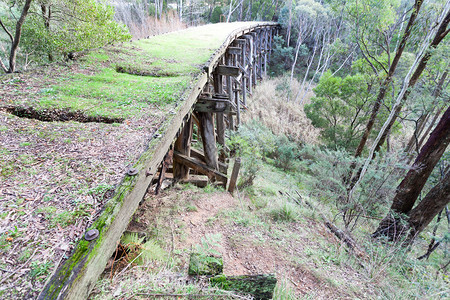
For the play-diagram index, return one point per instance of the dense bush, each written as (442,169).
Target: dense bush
(328,170)
(340,108)
(282,57)
(254,142)
(56,28)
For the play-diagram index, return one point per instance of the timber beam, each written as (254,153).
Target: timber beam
(200,167)
(223,167)
(227,71)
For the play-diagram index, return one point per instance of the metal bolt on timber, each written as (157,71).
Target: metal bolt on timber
(91,235)
(132,172)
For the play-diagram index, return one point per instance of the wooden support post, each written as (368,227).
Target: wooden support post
(238,104)
(271,32)
(235,83)
(220,123)
(249,38)
(244,77)
(208,138)
(266,49)
(255,58)
(218,89)
(229,82)
(234,175)
(168,158)
(260,52)
(183,145)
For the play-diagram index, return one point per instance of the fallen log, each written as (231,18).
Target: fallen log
(346,238)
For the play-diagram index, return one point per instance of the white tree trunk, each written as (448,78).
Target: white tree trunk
(425,45)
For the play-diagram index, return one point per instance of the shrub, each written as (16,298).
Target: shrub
(282,57)
(329,170)
(340,108)
(286,153)
(72,26)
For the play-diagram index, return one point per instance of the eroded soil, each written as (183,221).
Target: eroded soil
(181,218)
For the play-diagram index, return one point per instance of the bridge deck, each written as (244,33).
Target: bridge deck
(68,176)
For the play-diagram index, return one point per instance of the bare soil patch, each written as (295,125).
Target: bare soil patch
(249,246)
(61,115)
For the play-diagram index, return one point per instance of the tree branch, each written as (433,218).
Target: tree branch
(7,31)
(3,66)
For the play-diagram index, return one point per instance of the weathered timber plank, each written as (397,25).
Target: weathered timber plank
(234,50)
(227,71)
(214,106)
(229,90)
(198,154)
(200,167)
(261,287)
(197,180)
(234,175)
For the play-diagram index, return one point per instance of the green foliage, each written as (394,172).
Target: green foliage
(370,22)
(341,108)
(206,259)
(242,146)
(38,269)
(285,153)
(70,26)
(139,251)
(328,172)
(216,13)
(254,142)
(284,290)
(282,57)
(285,212)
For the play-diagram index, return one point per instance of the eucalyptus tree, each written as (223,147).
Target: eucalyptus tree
(62,27)
(420,62)
(15,36)
(403,218)
(437,39)
(307,21)
(392,65)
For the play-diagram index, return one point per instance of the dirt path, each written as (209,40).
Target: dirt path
(249,244)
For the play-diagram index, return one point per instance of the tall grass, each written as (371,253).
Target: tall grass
(272,105)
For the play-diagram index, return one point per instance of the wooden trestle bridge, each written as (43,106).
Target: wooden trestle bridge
(214,104)
(233,72)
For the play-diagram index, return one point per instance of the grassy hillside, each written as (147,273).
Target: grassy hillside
(275,223)
(68,133)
